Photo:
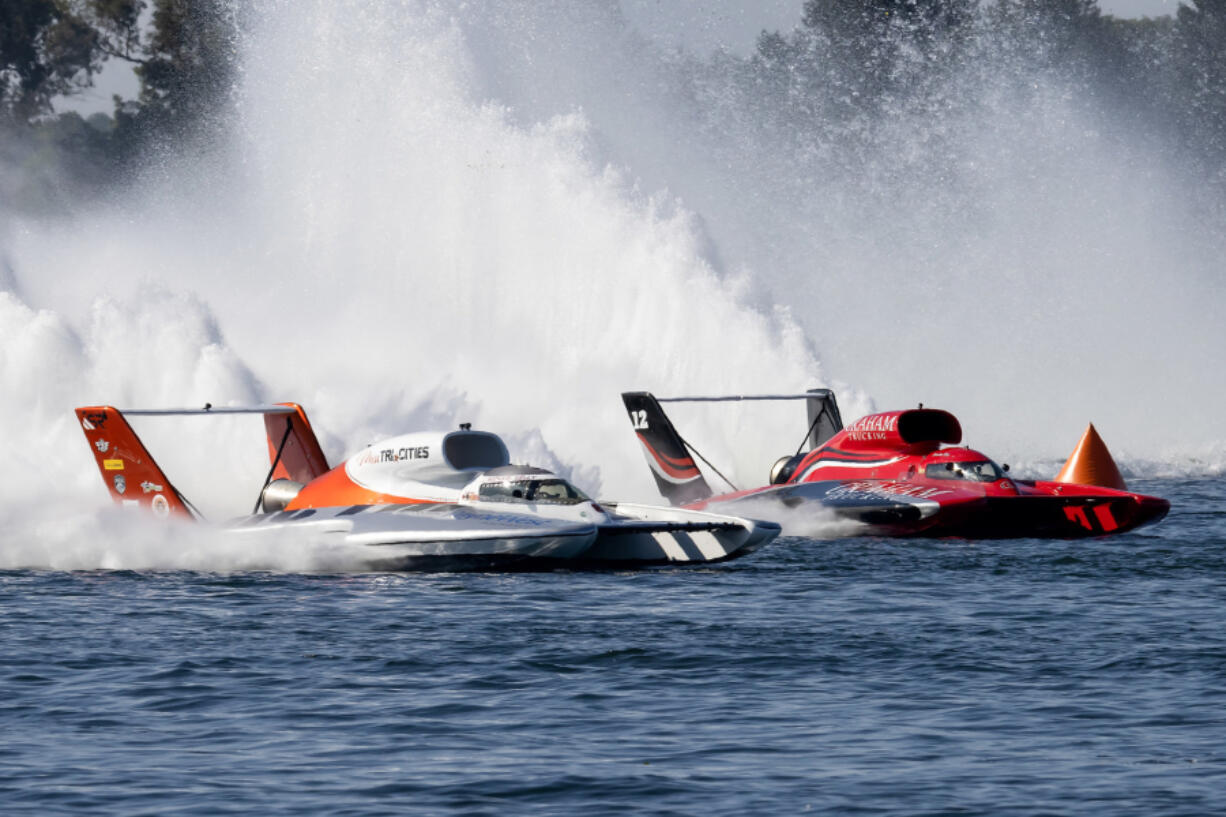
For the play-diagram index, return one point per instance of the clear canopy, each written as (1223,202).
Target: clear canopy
(525,489)
(976,471)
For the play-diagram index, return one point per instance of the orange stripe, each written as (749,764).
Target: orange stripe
(335,489)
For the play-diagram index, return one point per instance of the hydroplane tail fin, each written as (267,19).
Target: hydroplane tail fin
(293,451)
(676,474)
(133,478)
(129,472)
(824,418)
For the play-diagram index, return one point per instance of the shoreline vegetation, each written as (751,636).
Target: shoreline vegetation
(184,56)
(833,84)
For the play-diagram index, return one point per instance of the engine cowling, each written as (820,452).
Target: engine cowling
(784,468)
(279,493)
(415,465)
(914,431)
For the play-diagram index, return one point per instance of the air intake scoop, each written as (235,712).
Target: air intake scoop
(914,431)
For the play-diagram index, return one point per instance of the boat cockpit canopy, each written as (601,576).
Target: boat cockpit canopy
(524,484)
(971,471)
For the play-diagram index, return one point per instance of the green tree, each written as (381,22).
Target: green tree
(878,51)
(1061,37)
(185,59)
(183,55)
(1199,57)
(46,50)
(188,69)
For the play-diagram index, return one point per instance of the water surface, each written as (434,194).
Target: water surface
(854,676)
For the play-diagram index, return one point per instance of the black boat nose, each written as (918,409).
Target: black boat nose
(1150,509)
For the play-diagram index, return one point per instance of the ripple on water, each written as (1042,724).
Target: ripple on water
(860,676)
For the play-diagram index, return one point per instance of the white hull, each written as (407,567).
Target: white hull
(408,537)
(490,535)
(648,534)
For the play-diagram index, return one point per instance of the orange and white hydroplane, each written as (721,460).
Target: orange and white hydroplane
(432,500)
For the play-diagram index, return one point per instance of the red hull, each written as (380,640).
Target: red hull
(902,473)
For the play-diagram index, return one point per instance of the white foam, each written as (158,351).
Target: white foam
(808,520)
(114,539)
(454,213)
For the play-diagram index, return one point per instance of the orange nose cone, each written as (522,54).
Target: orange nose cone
(1091,464)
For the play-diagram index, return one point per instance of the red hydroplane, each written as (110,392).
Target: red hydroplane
(902,473)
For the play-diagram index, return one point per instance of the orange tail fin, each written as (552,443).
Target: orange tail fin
(301,459)
(1091,464)
(130,474)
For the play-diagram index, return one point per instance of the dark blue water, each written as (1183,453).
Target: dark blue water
(859,676)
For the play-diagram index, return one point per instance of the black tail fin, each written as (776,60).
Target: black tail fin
(824,418)
(677,476)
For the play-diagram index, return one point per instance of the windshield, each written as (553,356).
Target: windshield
(531,490)
(978,471)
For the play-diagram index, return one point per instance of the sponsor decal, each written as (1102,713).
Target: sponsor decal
(150,487)
(112,465)
(160,506)
(873,427)
(504,518)
(856,492)
(372,457)
(884,490)
(102,446)
(120,483)
(917,491)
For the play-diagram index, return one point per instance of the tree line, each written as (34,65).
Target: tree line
(859,60)
(846,67)
(183,54)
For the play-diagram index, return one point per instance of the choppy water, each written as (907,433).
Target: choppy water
(855,676)
(558,210)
